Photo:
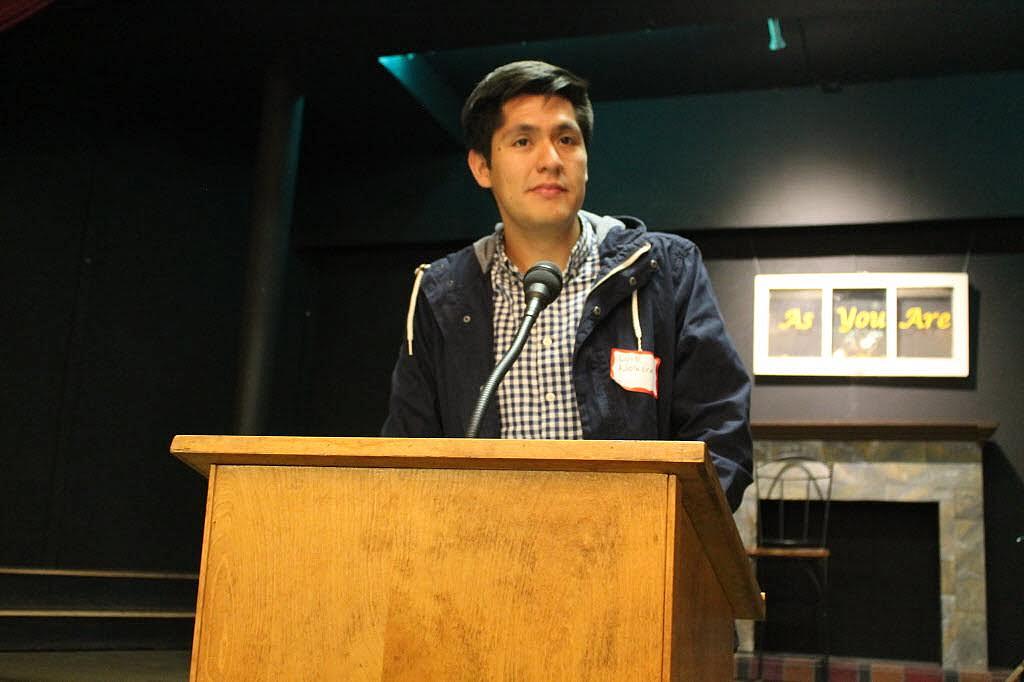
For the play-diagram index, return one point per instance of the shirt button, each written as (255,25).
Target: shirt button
(466,319)
(547,342)
(549,396)
(632,281)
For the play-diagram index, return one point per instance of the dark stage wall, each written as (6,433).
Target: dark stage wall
(124,213)
(123,257)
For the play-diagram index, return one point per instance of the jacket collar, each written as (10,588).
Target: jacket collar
(485,247)
(459,284)
(618,238)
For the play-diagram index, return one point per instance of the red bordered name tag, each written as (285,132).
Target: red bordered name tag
(635,370)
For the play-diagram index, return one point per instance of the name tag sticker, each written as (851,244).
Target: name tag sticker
(635,370)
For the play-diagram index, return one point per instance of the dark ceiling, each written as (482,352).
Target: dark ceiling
(203,63)
(713,57)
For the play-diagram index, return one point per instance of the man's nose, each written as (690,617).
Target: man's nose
(548,157)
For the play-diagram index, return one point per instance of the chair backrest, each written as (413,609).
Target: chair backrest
(794,493)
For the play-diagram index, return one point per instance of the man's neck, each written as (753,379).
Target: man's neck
(525,246)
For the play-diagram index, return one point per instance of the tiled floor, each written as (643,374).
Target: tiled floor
(794,668)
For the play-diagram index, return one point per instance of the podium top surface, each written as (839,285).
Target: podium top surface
(689,462)
(681,458)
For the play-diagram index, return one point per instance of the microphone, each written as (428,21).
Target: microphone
(541,285)
(542,282)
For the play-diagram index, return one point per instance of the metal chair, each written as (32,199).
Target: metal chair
(793,497)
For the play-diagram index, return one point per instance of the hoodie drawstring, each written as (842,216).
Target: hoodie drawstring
(412,304)
(636,322)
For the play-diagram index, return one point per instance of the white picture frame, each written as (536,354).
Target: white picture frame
(841,324)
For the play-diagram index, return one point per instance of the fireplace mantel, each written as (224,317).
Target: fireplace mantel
(847,430)
(904,461)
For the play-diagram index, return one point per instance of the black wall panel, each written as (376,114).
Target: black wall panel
(127,266)
(43,198)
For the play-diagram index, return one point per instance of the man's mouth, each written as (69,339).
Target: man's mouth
(549,189)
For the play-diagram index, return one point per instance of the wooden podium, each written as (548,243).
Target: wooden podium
(454,559)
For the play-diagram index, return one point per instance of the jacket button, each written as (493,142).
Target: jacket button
(597,311)
(632,282)
(654,264)
(466,319)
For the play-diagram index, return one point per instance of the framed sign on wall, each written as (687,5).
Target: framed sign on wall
(892,324)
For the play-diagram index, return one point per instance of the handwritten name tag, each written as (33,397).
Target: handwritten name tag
(635,370)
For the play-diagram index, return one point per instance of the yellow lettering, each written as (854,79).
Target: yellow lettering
(918,319)
(791,318)
(912,318)
(794,320)
(859,319)
(846,318)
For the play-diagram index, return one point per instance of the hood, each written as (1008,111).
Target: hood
(486,246)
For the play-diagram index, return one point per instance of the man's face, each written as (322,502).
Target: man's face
(538,168)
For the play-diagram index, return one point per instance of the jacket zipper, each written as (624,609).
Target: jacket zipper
(622,266)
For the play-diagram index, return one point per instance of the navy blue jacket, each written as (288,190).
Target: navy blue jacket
(703,388)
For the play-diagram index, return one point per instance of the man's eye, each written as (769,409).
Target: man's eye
(568,139)
(520,142)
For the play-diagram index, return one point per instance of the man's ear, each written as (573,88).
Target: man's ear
(479,167)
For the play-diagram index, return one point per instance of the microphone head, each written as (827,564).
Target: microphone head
(543,281)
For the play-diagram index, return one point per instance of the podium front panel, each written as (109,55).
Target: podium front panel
(434,574)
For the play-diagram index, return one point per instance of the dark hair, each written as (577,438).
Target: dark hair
(481,115)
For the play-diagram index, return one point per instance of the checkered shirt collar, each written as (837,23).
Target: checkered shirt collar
(509,273)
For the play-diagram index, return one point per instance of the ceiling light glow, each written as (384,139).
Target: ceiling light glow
(775,40)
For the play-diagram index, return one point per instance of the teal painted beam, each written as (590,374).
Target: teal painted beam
(419,78)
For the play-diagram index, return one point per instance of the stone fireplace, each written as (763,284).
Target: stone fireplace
(904,462)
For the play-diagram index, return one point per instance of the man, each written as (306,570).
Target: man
(633,348)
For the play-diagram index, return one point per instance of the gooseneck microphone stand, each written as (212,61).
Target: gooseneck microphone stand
(541,285)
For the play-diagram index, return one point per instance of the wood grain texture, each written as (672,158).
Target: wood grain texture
(668,457)
(687,461)
(211,490)
(701,617)
(399,574)
(708,514)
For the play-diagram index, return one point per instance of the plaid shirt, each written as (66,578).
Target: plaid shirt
(537,399)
